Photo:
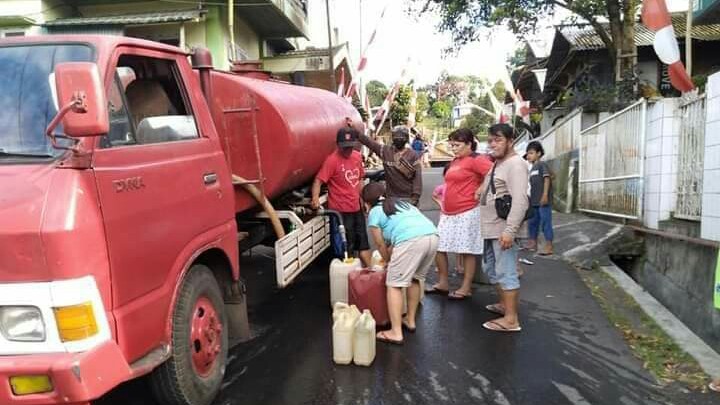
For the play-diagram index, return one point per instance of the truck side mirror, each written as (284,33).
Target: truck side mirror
(81,100)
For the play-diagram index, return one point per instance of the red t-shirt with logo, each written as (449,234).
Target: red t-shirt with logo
(343,177)
(464,176)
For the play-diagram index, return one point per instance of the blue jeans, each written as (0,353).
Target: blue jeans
(500,266)
(542,218)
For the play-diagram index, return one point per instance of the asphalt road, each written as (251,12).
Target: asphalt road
(567,353)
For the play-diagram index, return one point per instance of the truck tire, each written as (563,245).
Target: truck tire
(195,370)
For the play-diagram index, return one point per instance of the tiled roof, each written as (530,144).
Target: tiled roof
(583,37)
(131,19)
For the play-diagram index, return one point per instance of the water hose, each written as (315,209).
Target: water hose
(341,227)
(264,203)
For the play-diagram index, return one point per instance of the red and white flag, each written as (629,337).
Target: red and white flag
(656,17)
(522,107)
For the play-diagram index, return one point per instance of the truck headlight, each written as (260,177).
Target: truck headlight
(22,324)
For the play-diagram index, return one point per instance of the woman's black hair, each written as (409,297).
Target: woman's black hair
(504,130)
(445,169)
(464,135)
(373,193)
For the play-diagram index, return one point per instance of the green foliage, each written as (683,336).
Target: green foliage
(376,92)
(422,105)
(401,105)
(441,110)
(468,20)
(478,122)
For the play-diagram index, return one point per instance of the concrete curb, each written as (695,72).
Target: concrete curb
(708,358)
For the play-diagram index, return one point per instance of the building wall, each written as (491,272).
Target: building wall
(710,223)
(662,142)
(246,39)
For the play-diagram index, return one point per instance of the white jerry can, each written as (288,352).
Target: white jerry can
(342,338)
(341,307)
(377,263)
(339,270)
(364,340)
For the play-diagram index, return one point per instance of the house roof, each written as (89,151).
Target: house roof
(131,19)
(583,37)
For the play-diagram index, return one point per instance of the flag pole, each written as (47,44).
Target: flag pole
(688,39)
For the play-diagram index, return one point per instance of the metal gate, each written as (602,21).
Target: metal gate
(690,159)
(612,154)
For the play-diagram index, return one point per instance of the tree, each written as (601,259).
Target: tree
(465,18)
(422,106)
(441,110)
(376,92)
(400,107)
(478,122)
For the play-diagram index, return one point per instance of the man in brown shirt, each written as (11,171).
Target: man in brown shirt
(403,168)
(510,178)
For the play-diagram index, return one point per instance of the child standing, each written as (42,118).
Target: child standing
(540,198)
(343,172)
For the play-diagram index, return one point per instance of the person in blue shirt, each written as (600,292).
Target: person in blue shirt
(407,242)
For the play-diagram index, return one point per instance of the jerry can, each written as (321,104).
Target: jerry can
(341,307)
(364,340)
(377,263)
(339,270)
(342,338)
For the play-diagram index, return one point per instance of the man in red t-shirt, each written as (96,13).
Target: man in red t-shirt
(343,172)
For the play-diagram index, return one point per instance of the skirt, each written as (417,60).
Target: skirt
(461,233)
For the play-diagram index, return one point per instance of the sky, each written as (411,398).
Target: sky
(401,36)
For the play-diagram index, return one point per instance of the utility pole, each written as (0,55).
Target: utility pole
(333,85)
(688,38)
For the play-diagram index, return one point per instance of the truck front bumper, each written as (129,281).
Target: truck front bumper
(76,378)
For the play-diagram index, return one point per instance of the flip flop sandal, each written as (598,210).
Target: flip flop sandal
(499,327)
(714,387)
(545,254)
(435,290)
(495,309)
(407,328)
(383,338)
(455,295)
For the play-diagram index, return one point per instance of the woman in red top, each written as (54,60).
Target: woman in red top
(459,226)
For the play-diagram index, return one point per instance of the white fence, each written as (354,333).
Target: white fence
(691,160)
(611,166)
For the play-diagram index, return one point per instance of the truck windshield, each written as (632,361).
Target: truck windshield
(27,103)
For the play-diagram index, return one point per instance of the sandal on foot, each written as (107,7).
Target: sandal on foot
(457,295)
(498,327)
(714,386)
(435,290)
(382,337)
(408,328)
(495,309)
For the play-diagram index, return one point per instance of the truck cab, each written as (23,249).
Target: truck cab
(119,225)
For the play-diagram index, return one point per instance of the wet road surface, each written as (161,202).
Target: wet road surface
(567,353)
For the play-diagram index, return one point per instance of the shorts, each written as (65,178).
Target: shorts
(500,266)
(355,231)
(410,260)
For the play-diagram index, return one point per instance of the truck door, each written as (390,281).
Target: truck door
(160,188)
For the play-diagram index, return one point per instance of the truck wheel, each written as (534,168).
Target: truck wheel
(194,372)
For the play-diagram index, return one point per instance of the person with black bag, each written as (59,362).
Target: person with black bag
(403,167)
(504,207)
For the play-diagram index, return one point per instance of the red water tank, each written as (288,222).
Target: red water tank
(273,131)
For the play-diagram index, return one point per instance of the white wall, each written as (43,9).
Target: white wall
(710,225)
(661,151)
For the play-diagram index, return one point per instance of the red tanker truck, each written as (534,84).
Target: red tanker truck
(131,180)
